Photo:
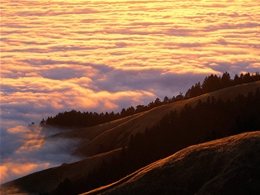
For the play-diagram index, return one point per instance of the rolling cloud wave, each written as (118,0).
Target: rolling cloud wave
(106,55)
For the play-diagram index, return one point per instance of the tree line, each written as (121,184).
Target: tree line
(214,82)
(76,119)
(208,120)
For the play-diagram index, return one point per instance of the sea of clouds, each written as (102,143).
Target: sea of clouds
(27,149)
(105,55)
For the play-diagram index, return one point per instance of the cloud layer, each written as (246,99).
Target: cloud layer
(105,55)
(26,149)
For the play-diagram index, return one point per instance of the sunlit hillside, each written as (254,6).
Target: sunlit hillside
(225,166)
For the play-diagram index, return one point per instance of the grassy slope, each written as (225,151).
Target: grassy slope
(113,136)
(226,166)
(118,135)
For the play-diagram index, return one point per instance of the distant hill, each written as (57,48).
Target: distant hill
(75,119)
(226,166)
(116,134)
(104,144)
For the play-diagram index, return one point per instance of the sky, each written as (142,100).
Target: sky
(59,55)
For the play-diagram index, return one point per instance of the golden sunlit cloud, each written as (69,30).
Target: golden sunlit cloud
(18,168)
(102,55)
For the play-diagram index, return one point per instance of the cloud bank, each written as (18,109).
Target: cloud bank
(26,149)
(105,55)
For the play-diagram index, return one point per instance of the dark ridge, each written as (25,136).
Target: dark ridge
(206,121)
(77,119)
(225,166)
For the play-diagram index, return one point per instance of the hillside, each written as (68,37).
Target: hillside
(49,179)
(226,166)
(104,142)
(116,134)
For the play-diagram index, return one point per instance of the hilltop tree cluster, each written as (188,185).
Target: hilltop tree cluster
(214,82)
(76,119)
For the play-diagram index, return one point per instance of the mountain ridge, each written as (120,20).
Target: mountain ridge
(166,174)
(135,124)
(153,116)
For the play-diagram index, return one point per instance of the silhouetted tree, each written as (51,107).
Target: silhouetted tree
(194,91)
(130,111)
(140,108)
(211,83)
(157,102)
(237,80)
(123,113)
(225,80)
(179,97)
(165,100)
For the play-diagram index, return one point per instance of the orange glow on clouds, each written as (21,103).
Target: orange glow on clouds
(29,149)
(31,137)
(102,55)
(18,169)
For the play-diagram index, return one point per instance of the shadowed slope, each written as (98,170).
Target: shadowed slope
(226,166)
(117,133)
(49,179)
